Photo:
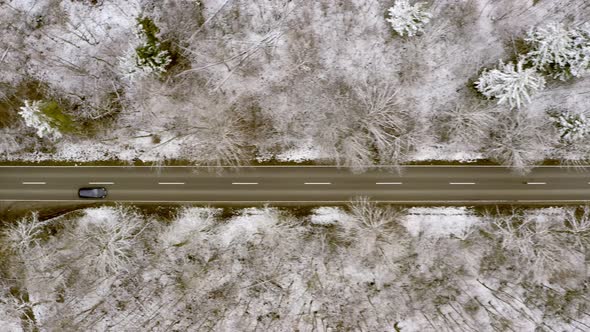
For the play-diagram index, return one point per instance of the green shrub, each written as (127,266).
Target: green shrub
(57,117)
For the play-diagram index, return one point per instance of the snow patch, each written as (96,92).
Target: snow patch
(189,222)
(440,222)
(101,215)
(446,152)
(248,223)
(306,151)
(327,216)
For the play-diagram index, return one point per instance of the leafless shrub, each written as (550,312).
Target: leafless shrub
(465,124)
(374,223)
(517,142)
(207,128)
(283,232)
(382,117)
(370,216)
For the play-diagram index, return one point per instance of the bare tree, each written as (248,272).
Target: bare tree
(386,121)
(9,141)
(371,216)
(77,46)
(109,243)
(220,140)
(577,224)
(518,142)
(374,223)
(221,46)
(354,152)
(465,124)
(24,234)
(536,242)
(206,128)
(17,306)
(363,124)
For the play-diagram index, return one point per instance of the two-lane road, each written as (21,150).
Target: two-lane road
(297,184)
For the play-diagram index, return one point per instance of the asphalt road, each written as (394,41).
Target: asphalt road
(303,184)
(300,185)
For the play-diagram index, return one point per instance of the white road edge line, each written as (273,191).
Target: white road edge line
(461,182)
(244,183)
(317,183)
(101,183)
(536,183)
(292,166)
(170,182)
(34,183)
(389,183)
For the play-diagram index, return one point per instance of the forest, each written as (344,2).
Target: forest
(351,83)
(363,267)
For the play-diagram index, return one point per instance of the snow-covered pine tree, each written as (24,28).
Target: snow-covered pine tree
(148,56)
(563,53)
(572,127)
(35,118)
(510,83)
(406,19)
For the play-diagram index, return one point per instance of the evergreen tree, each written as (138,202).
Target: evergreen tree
(406,19)
(510,83)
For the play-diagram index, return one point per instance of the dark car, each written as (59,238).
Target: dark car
(98,192)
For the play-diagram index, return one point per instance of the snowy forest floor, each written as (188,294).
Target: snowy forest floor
(363,267)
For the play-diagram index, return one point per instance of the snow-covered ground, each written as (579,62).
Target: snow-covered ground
(433,222)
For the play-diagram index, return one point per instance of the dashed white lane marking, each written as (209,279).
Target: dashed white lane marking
(317,183)
(536,183)
(292,166)
(389,183)
(101,183)
(460,183)
(170,182)
(34,183)
(244,183)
